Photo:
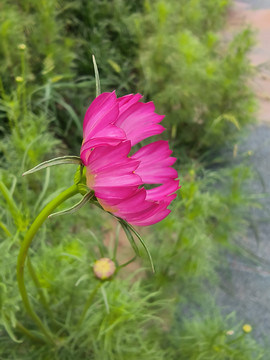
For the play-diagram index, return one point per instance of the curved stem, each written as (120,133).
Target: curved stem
(49,208)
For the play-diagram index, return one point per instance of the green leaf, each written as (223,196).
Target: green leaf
(56,161)
(8,329)
(144,245)
(14,211)
(129,236)
(105,298)
(98,91)
(227,117)
(114,65)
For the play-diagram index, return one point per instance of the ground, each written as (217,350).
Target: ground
(245,284)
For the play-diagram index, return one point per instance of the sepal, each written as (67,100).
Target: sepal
(56,161)
(75,207)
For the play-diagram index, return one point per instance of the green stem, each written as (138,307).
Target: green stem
(88,303)
(49,208)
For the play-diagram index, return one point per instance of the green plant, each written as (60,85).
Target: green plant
(169,50)
(214,337)
(197,79)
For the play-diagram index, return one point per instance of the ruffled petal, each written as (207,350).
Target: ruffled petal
(161,192)
(108,155)
(127,101)
(155,163)
(140,121)
(158,216)
(109,166)
(111,127)
(114,195)
(103,110)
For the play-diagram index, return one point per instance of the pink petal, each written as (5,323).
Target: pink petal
(105,155)
(135,202)
(126,101)
(114,195)
(111,127)
(104,104)
(108,180)
(128,166)
(155,163)
(152,219)
(140,121)
(87,147)
(160,192)
(149,211)
(159,148)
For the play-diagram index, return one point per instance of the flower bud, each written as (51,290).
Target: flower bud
(104,268)
(21,46)
(19,79)
(247,328)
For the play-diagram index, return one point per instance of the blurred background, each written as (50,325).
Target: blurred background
(205,64)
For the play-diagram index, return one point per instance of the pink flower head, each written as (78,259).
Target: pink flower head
(111,127)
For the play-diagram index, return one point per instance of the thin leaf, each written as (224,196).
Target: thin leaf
(226,117)
(56,161)
(98,91)
(116,242)
(130,237)
(70,111)
(144,245)
(75,207)
(102,248)
(83,277)
(10,201)
(127,262)
(5,229)
(105,298)
(8,329)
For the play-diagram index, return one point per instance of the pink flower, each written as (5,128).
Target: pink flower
(111,127)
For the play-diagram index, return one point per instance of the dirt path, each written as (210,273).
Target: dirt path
(246,282)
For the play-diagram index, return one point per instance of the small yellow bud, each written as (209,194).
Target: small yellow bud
(104,268)
(21,46)
(247,328)
(19,79)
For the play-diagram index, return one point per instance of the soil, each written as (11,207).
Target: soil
(245,285)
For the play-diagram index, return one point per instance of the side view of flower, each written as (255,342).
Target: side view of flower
(111,174)
(112,126)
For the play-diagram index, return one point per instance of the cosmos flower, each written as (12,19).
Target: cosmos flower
(112,127)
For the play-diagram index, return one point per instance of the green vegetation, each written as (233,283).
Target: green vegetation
(197,79)
(174,53)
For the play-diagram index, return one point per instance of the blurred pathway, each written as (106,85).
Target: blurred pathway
(257,14)
(246,283)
